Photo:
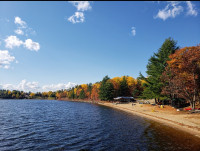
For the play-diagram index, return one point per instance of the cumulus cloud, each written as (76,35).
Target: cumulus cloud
(78,17)
(55,87)
(173,9)
(29,44)
(191,10)
(34,86)
(20,22)
(81,5)
(170,11)
(28,86)
(22,27)
(5,59)
(19,32)
(22,86)
(12,41)
(133,31)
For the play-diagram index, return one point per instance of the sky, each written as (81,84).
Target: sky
(56,45)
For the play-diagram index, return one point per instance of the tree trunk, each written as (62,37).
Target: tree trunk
(194,96)
(193,102)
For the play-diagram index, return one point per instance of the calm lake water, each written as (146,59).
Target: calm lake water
(62,125)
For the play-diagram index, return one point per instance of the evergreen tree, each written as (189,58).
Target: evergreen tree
(106,89)
(155,68)
(89,89)
(82,95)
(138,89)
(123,89)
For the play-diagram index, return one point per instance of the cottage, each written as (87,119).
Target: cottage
(124,99)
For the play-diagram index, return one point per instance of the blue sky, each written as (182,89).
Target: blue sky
(52,45)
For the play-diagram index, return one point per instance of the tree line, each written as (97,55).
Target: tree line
(106,89)
(172,73)
(15,94)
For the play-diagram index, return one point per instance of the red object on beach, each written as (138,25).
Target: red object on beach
(188,109)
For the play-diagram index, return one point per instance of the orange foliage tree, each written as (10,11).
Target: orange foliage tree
(95,91)
(182,75)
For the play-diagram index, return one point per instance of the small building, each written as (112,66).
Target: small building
(124,99)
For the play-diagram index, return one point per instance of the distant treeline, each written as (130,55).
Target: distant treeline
(172,73)
(15,94)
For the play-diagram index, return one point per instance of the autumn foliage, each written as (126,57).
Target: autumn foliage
(182,75)
(106,89)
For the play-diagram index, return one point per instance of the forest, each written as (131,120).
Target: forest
(173,73)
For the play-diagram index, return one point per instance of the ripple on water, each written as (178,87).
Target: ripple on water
(61,125)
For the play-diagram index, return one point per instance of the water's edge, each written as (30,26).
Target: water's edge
(144,115)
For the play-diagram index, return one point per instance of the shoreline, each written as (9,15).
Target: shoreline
(178,120)
(169,122)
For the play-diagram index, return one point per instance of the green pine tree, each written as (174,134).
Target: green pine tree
(106,90)
(123,89)
(82,95)
(155,68)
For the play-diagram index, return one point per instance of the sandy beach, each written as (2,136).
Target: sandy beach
(169,116)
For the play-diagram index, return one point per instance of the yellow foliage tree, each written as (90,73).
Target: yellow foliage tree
(95,91)
(32,95)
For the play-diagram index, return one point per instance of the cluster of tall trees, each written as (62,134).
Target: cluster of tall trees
(106,89)
(171,73)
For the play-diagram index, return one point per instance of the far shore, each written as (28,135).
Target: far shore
(181,120)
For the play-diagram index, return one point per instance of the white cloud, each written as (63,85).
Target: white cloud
(12,41)
(22,86)
(7,87)
(6,67)
(133,31)
(19,32)
(34,86)
(174,8)
(20,22)
(5,59)
(82,5)
(170,11)
(28,86)
(191,10)
(23,28)
(55,87)
(78,17)
(29,44)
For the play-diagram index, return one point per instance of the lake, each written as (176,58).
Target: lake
(64,125)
